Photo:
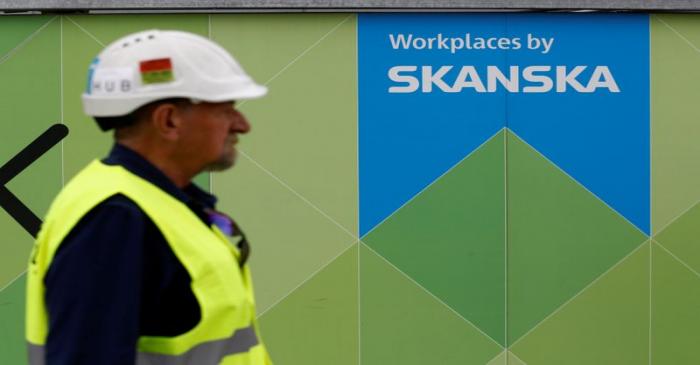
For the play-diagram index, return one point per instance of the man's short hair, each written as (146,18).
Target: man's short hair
(121,121)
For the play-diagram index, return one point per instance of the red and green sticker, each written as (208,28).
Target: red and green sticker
(156,71)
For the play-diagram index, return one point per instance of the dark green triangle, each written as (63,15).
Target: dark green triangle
(13,346)
(675,313)
(608,323)
(403,324)
(451,238)
(317,323)
(560,237)
(682,237)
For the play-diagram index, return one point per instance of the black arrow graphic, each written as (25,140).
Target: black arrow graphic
(8,201)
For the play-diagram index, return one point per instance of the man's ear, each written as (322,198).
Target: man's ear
(167,121)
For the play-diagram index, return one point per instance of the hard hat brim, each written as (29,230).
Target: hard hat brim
(105,106)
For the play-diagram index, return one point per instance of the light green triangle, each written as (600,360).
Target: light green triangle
(608,323)
(290,239)
(506,358)
(400,323)
(264,44)
(318,322)
(13,346)
(675,76)
(461,218)
(682,237)
(675,310)
(560,237)
(304,131)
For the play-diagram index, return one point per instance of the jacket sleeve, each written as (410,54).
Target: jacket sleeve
(93,288)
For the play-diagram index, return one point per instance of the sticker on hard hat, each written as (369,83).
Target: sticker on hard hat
(116,80)
(91,73)
(156,71)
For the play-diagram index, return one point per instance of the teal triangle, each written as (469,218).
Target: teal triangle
(451,238)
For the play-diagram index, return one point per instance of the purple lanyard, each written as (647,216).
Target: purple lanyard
(228,227)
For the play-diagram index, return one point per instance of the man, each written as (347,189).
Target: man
(132,264)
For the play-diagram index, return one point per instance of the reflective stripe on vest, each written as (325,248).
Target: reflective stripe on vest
(208,353)
(37,354)
(222,288)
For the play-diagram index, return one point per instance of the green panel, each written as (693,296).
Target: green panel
(560,237)
(14,30)
(13,348)
(401,323)
(682,237)
(317,323)
(31,103)
(451,238)
(305,130)
(290,239)
(82,36)
(675,311)
(675,76)
(606,324)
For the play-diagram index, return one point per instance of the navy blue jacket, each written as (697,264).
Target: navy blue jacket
(114,278)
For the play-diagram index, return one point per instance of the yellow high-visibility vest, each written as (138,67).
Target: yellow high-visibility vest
(227,332)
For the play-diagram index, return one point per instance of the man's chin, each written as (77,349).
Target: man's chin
(222,164)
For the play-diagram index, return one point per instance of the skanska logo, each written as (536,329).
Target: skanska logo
(527,79)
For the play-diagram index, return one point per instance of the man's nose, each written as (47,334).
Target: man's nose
(240,123)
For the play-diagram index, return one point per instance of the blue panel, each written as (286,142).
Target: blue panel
(600,138)
(407,140)
(413,129)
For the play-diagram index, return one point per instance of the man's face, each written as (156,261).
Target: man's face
(210,133)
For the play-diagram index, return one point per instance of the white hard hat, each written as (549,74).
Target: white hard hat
(153,65)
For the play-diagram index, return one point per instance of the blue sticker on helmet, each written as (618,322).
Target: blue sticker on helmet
(91,72)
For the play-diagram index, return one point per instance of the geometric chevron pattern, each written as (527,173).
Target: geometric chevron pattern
(503,258)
